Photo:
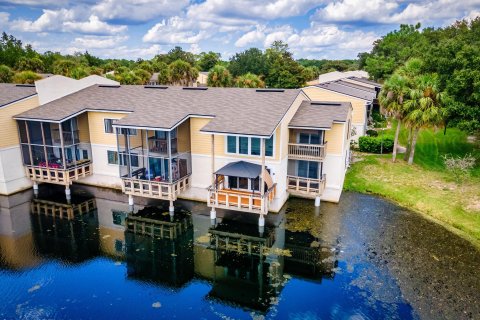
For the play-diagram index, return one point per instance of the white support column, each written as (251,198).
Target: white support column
(130,200)
(261,221)
(317,201)
(262,182)
(35,189)
(213,212)
(171,208)
(68,193)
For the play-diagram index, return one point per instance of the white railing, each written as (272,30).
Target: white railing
(306,186)
(155,189)
(59,175)
(301,151)
(240,201)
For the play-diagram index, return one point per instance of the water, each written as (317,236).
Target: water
(364,258)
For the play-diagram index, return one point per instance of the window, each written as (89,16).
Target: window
(233,182)
(108,125)
(255,146)
(243,145)
(308,169)
(231,144)
(130,132)
(84,154)
(269,147)
(249,146)
(112,157)
(243,183)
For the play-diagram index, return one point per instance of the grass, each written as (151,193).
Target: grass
(426,187)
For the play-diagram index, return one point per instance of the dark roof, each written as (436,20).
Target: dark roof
(373,83)
(337,86)
(234,110)
(10,92)
(241,169)
(319,114)
(356,86)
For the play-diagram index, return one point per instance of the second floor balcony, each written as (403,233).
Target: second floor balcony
(309,152)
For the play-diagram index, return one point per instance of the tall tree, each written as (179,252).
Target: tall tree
(207,61)
(424,106)
(250,80)
(283,71)
(163,73)
(6,74)
(182,73)
(219,76)
(252,60)
(391,98)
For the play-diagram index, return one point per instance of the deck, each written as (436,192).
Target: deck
(307,152)
(155,189)
(62,210)
(58,175)
(306,187)
(240,200)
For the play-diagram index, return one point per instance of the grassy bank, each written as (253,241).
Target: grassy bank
(425,187)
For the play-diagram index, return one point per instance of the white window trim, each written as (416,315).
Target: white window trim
(237,150)
(104,128)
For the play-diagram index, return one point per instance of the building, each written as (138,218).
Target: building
(360,92)
(237,149)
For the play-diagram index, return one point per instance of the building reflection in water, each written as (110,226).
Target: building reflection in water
(246,267)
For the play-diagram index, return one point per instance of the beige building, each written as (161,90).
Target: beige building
(236,149)
(360,92)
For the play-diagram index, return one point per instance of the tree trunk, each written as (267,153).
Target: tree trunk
(412,147)
(409,143)
(395,143)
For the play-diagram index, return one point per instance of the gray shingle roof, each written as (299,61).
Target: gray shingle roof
(356,86)
(234,110)
(10,92)
(320,114)
(337,86)
(373,83)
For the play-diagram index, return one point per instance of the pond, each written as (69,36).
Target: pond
(95,258)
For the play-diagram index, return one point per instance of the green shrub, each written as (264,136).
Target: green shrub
(372,133)
(374,144)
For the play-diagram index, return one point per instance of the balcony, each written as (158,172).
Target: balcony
(306,187)
(241,200)
(308,152)
(162,190)
(54,173)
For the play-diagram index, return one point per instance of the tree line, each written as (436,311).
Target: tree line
(449,56)
(274,67)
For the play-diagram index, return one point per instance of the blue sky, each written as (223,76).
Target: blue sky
(142,28)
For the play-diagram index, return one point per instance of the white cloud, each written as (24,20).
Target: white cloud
(354,10)
(4,16)
(251,37)
(99,42)
(66,20)
(138,10)
(174,30)
(252,9)
(391,12)
(92,26)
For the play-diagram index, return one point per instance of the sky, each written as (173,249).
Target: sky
(314,29)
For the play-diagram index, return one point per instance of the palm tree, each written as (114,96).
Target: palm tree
(219,76)
(424,107)
(391,98)
(250,80)
(182,73)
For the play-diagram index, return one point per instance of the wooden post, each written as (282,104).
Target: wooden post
(44,146)
(262,183)
(169,146)
(213,213)
(62,145)
(29,144)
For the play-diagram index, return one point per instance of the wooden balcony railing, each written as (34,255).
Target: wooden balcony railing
(240,200)
(155,189)
(307,187)
(311,152)
(59,175)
